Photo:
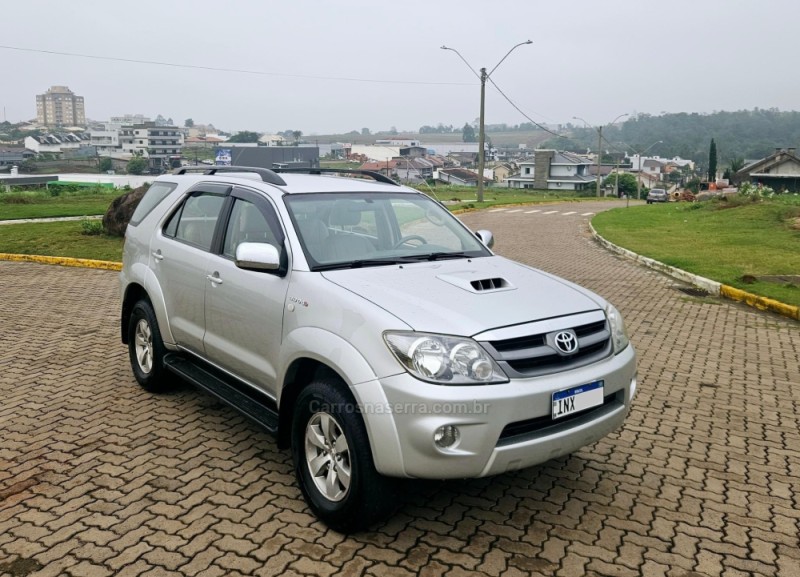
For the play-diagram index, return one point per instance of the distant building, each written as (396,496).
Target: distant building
(13,156)
(57,142)
(780,171)
(272,156)
(130,119)
(59,106)
(554,170)
(460,176)
(106,141)
(161,145)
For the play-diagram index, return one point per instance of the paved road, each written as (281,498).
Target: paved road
(99,478)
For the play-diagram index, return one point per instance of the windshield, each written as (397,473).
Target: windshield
(340,230)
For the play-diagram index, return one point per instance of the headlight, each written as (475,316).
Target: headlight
(443,359)
(619,337)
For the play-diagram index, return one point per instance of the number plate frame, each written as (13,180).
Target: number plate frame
(575,399)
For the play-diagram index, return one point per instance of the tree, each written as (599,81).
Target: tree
(365,132)
(297,134)
(468,133)
(244,136)
(105,164)
(188,123)
(627,182)
(136,165)
(712,161)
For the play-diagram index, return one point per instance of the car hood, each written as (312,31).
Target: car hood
(465,296)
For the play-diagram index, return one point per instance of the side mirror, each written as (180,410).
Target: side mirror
(257,256)
(486,237)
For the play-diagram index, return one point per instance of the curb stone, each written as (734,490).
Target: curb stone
(712,287)
(62,261)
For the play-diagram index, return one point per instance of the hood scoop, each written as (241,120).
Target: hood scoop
(468,282)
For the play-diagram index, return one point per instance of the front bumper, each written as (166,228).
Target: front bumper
(502,427)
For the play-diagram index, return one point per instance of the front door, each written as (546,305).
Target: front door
(244,308)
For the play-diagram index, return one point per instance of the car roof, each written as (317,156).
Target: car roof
(294,183)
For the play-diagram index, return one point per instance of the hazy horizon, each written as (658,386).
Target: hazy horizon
(328,68)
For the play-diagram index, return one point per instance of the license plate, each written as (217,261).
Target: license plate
(577,399)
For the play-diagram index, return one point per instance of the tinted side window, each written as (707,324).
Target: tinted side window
(198,219)
(155,194)
(247,224)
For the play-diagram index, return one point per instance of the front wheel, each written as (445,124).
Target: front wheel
(333,462)
(146,349)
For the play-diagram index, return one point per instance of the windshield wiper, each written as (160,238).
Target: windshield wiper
(438,256)
(360,263)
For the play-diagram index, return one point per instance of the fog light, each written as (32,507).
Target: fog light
(446,436)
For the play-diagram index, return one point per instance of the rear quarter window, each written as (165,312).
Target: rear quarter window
(154,195)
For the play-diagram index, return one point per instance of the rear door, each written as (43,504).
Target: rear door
(179,256)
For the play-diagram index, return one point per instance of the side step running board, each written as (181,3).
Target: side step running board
(227,391)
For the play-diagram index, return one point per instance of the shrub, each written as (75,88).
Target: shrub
(91,226)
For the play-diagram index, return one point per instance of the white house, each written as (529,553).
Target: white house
(56,143)
(160,144)
(553,170)
(105,141)
(271,140)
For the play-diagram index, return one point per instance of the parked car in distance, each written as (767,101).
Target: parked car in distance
(368,328)
(657,195)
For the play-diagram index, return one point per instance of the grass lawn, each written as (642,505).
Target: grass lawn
(40,204)
(58,239)
(464,197)
(723,241)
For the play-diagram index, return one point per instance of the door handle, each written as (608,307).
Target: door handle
(215,279)
(157,255)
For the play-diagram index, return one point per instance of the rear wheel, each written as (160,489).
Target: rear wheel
(146,349)
(333,461)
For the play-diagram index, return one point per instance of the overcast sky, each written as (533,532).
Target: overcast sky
(327,66)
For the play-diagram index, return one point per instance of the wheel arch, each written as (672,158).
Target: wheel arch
(302,372)
(313,353)
(134,292)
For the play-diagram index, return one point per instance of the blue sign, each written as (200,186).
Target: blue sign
(223,157)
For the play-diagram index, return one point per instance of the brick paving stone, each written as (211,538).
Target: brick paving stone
(99,477)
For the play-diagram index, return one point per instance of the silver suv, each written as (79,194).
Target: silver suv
(368,328)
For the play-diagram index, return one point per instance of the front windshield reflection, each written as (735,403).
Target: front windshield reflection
(339,228)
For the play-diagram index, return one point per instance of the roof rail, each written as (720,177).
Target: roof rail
(266,174)
(377,176)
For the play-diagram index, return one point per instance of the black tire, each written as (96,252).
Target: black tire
(369,497)
(146,349)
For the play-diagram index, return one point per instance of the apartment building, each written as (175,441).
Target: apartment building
(59,106)
(161,145)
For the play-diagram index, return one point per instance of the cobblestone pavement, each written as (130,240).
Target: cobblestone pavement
(99,478)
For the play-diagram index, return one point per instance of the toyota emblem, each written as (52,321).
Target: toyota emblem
(566,342)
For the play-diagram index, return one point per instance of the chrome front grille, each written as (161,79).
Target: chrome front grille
(536,354)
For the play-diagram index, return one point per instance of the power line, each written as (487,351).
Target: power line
(517,108)
(233,70)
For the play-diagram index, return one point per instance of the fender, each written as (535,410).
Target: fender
(342,357)
(142,273)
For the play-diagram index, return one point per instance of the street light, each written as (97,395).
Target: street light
(599,130)
(483,77)
(639,175)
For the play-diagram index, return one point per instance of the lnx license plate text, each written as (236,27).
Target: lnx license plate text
(577,399)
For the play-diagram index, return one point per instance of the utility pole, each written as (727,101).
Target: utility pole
(599,155)
(599,130)
(482,137)
(483,77)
